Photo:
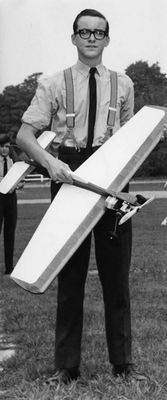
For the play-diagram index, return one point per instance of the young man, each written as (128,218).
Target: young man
(90,36)
(8,205)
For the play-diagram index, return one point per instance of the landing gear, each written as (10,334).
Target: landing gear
(124,210)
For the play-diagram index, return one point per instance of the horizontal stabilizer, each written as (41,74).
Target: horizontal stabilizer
(134,210)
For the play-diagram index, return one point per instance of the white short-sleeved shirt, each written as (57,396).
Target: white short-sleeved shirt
(49,104)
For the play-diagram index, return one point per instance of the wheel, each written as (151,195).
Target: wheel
(141,199)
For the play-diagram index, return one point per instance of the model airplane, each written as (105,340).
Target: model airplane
(74,212)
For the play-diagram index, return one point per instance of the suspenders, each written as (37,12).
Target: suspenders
(70,114)
(113,100)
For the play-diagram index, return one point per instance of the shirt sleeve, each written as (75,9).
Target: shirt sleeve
(127,106)
(39,112)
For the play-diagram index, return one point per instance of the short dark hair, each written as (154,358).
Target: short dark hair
(92,13)
(4,138)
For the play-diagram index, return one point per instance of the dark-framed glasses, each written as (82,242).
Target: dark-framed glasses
(99,34)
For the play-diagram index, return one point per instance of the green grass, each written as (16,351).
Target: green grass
(30,321)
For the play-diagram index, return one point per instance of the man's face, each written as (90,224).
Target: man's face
(91,48)
(4,149)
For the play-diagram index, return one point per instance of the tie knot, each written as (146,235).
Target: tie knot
(92,70)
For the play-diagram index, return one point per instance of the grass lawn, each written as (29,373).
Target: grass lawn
(30,321)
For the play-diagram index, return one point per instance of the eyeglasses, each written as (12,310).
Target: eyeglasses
(86,33)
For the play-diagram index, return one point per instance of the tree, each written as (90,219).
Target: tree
(14,101)
(150,85)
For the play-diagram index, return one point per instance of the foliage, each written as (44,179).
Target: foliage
(150,85)
(14,101)
(156,163)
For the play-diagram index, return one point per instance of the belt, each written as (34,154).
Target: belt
(73,150)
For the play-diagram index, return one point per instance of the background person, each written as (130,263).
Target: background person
(8,205)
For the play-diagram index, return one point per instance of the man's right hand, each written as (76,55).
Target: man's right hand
(58,170)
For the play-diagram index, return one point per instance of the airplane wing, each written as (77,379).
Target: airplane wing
(20,168)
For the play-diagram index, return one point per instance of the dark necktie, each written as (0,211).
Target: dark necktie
(92,109)
(5,166)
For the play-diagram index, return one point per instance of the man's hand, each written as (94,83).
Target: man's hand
(59,171)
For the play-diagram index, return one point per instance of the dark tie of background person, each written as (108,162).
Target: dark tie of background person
(5,167)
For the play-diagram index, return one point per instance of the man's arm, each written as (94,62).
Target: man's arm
(127,107)
(58,170)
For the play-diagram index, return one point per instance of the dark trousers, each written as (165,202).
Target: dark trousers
(8,218)
(113,263)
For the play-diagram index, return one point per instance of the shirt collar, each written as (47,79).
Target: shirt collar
(2,157)
(84,68)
